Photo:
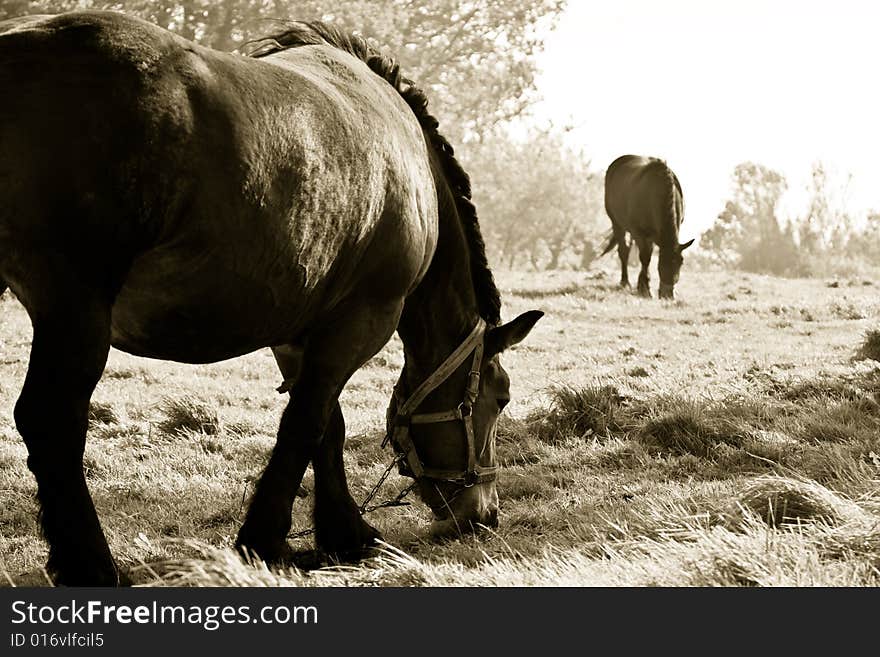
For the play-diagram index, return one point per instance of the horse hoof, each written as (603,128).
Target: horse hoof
(275,553)
(308,560)
(314,559)
(351,556)
(350,544)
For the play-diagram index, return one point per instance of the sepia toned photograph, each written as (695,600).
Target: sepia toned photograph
(436,294)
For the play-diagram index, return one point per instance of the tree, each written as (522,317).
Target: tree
(827,226)
(748,232)
(866,243)
(539,201)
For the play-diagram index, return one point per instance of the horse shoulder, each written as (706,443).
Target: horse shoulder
(365,125)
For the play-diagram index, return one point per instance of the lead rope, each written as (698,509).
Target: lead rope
(363,508)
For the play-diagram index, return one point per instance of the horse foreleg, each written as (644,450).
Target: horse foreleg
(332,356)
(646,247)
(339,528)
(71,340)
(623,249)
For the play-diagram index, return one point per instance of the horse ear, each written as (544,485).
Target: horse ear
(505,336)
(682,247)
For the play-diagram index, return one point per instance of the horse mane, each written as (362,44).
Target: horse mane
(673,186)
(301,33)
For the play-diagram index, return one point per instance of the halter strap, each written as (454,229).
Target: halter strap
(445,369)
(405,418)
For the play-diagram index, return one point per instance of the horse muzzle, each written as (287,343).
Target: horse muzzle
(471,509)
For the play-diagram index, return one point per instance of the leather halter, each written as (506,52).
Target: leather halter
(403,419)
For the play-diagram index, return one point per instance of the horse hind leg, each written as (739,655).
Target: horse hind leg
(71,339)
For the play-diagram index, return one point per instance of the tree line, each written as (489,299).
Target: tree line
(751,234)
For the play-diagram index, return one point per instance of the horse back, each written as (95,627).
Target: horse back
(643,196)
(201,181)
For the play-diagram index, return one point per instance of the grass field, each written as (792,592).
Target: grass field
(731,438)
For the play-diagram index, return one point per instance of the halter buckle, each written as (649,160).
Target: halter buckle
(465,409)
(473,386)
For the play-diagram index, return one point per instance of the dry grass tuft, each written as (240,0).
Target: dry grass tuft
(102,413)
(782,501)
(855,539)
(211,566)
(516,444)
(188,413)
(531,293)
(578,413)
(690,430)
(870,349)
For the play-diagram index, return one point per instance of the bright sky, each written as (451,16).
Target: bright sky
(706,85)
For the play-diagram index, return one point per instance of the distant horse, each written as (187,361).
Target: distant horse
(185,204)
(643,197)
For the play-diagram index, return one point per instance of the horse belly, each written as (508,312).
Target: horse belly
(203,315)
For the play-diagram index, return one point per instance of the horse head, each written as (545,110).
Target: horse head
(669,268)
(444,429)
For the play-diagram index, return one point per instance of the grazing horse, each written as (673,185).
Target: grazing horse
(643,197)
(185,204)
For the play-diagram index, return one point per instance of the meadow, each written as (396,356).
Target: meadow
(728,438)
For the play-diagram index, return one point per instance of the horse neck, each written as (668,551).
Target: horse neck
(669,226)
(668,233)
(443,309)
(668,243)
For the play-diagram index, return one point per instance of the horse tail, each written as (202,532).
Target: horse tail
(612,242)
